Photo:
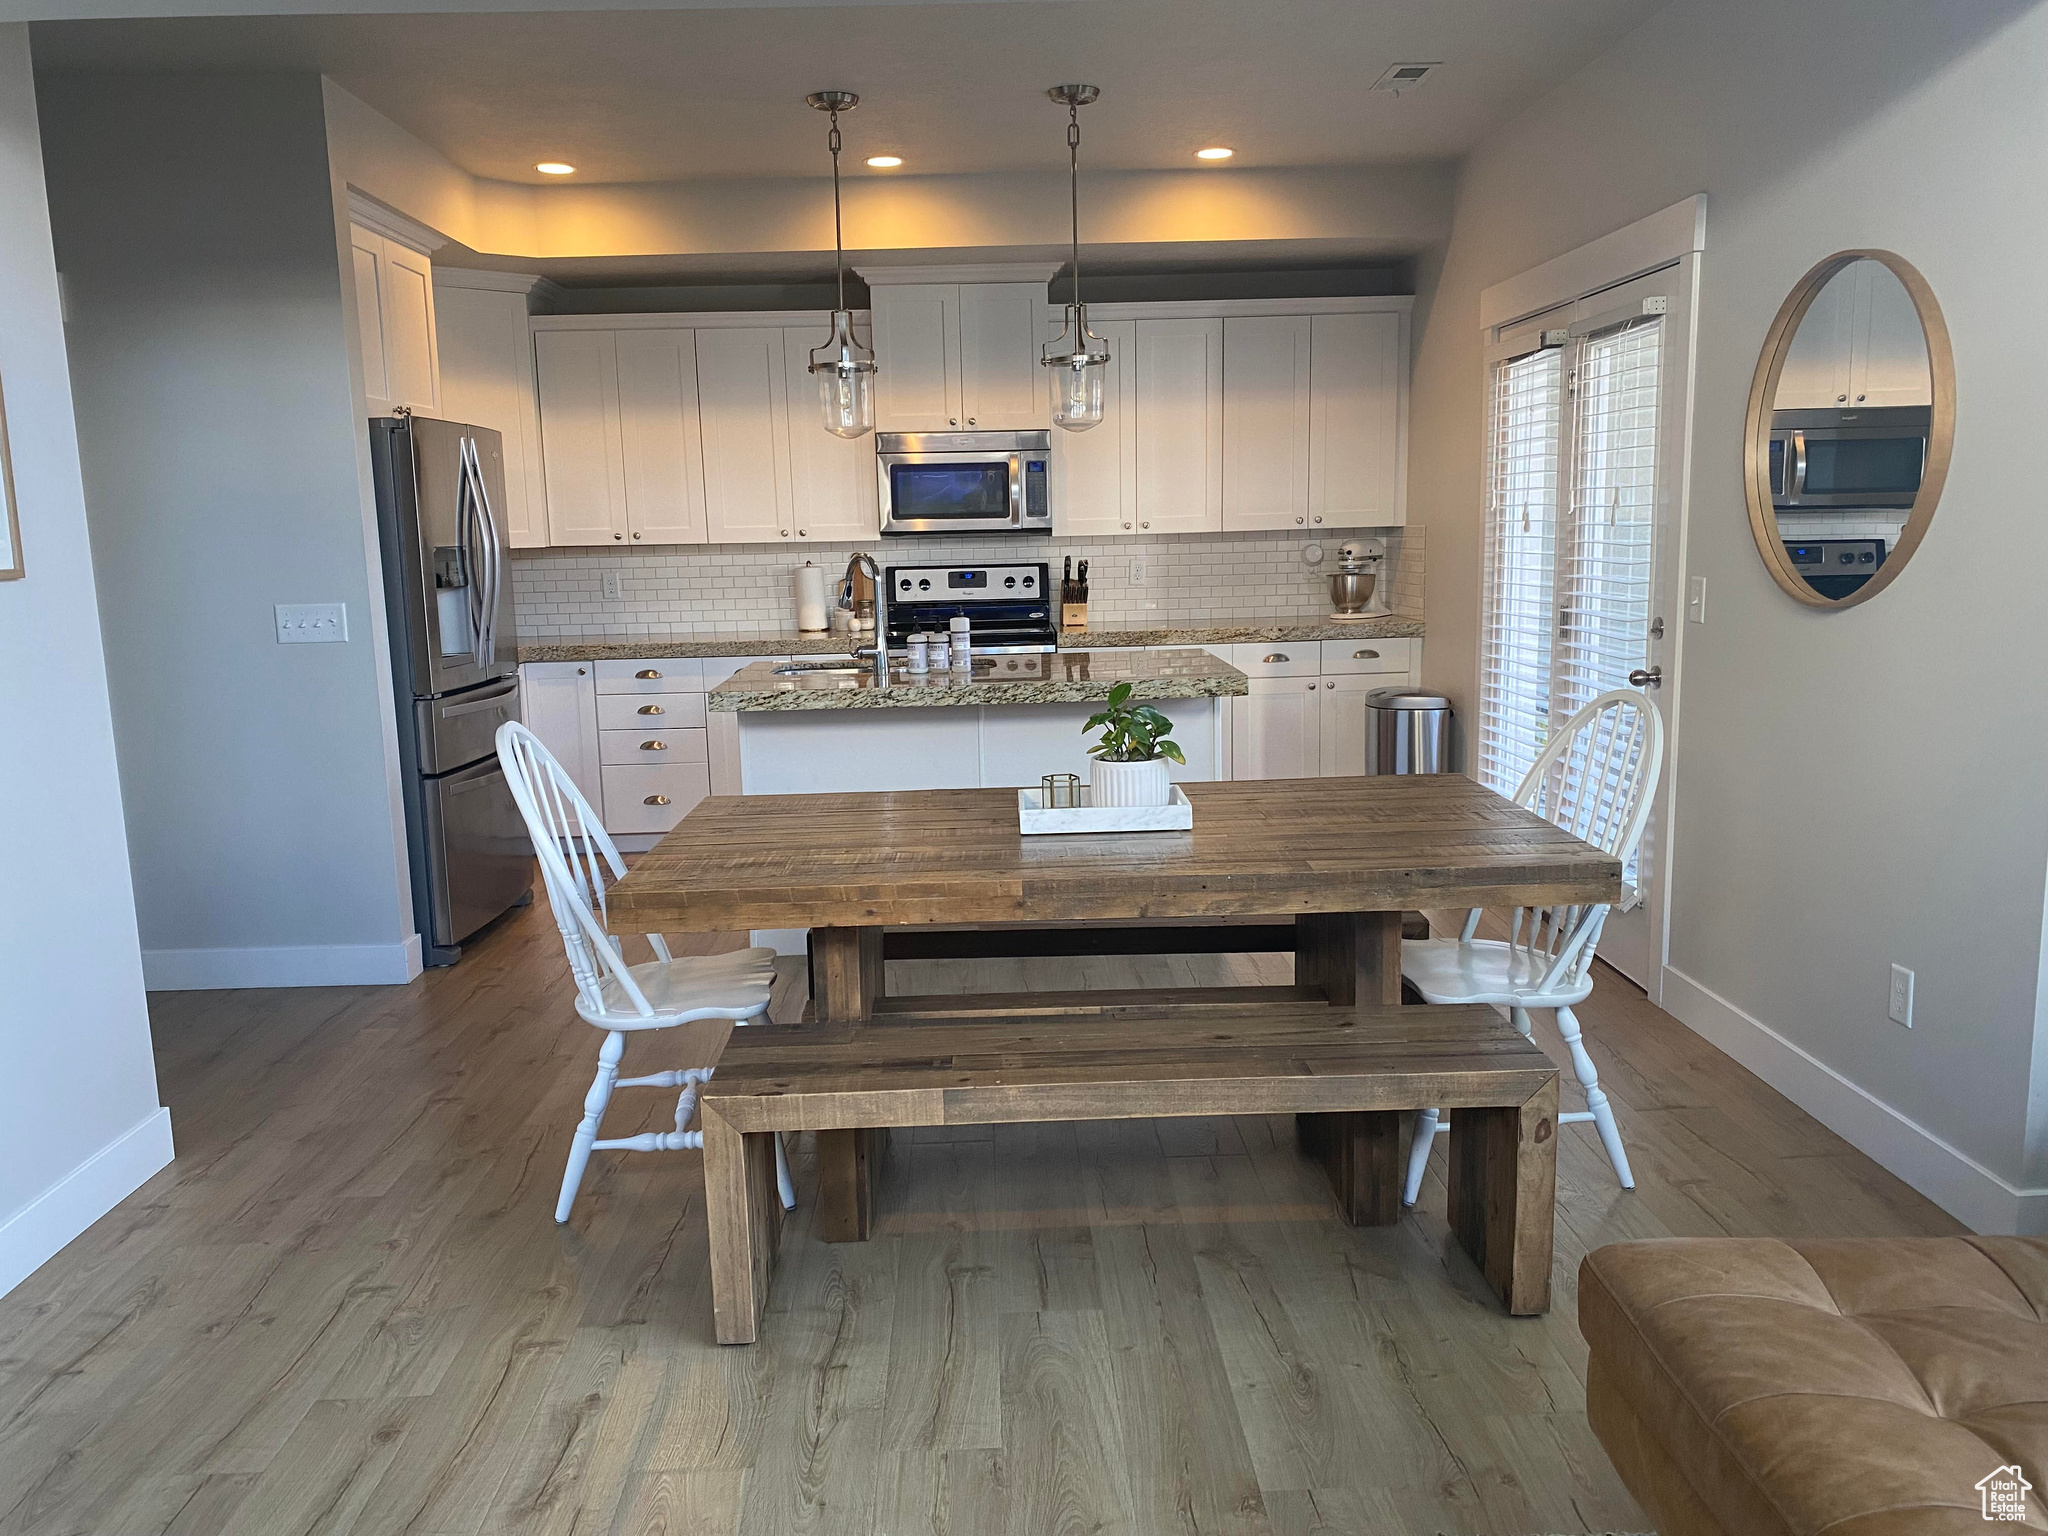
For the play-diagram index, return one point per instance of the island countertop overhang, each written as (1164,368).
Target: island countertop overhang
(1070,677)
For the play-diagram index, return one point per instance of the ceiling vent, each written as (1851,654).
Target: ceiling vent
(1405,77)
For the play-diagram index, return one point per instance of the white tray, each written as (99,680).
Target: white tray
(1033,820)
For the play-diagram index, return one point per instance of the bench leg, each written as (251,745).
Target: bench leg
(743,1211)
(847,971)
(1361,1151)
(1503,1189)
(847,1164)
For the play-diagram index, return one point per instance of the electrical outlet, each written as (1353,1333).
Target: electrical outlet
(1696,599)
(614,587)
(1902,996)
(311,623)
(1137,573)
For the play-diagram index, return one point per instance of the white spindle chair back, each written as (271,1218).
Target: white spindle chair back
(575,855)
(1595,778)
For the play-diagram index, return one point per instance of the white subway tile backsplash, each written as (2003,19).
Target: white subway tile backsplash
(730,589)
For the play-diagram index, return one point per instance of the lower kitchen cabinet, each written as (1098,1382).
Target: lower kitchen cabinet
(1305,716)
(559,705)
(1276,729)
(1341,722)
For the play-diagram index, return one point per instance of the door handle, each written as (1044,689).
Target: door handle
(1646,677)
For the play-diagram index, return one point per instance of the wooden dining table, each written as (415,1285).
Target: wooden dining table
(1342,858)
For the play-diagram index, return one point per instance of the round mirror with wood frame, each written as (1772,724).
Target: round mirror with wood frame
(1775,448)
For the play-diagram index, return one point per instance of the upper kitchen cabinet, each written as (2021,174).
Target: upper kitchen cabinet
(1860,343)
(1096,472)
(660,456)
(957,348)
(833,490)
(1314,413)
(742,391)
(487,380)
(585,470)
(1177,406)
(395,311)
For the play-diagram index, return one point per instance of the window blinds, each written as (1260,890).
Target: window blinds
(1520,567)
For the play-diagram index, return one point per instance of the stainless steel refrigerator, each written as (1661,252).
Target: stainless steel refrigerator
(455,660)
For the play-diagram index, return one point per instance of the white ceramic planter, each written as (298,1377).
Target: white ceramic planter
(1132,784)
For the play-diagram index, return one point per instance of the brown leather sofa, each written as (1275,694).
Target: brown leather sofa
(1749,1387)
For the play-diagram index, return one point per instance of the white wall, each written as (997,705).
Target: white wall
(80,1126)
(226,468)
(1861,787)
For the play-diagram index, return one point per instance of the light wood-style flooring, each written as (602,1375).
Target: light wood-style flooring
(345,1308)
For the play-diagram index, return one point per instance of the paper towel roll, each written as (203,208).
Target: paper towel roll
(810,598)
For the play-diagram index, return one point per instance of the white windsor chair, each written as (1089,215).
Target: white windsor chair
(575,851)
(1595,778)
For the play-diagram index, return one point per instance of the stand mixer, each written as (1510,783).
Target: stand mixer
(1353,582)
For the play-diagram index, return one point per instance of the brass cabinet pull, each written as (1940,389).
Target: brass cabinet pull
(647,672)
(653,746)
(655,800)
(1365,655)
(1279,656)
(652,709)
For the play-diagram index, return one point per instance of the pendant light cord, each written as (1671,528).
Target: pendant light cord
(1074,188)
(833,141)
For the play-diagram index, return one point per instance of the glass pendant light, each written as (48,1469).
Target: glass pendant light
(1075,364)
(845,369)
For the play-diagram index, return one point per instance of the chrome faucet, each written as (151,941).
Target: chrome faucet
(880,649)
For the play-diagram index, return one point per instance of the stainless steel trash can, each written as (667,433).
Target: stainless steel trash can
(1406,731)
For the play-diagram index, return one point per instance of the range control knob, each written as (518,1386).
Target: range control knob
(1868,558)
(1847,559)
(924,584)
(1009,581)
(1030,581)
(903,585)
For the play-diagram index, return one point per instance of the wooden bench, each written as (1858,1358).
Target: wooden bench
(1353,1076)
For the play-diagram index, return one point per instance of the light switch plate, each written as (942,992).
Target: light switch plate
(311,623)
(1696,599)
(1901,1009)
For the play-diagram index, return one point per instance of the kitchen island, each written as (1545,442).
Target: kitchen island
(822,729)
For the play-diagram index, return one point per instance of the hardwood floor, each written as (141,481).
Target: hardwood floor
(345,1307)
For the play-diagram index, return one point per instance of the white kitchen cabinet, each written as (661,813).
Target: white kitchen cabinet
(1355,416)
(1177,389)
(1096,472)
(1341,722)
(956,357)
(395,314)
(1860,343)
(485,348)
(1265,421)
(742,394)
(1276,729)
(558,703)
(660,457)
(833,489)
(585,471)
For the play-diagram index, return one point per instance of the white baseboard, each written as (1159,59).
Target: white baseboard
(33,1235)
(307,965)
(1951,1178)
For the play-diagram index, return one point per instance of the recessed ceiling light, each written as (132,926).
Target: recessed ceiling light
(884,162)
(555,168)
(1218,152)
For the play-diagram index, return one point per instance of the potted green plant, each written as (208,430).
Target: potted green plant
(1131,758)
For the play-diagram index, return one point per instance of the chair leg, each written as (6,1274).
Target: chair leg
(1418,1154)
(1596,1098)
(1520,1019)
(593,1111)
(784,1185)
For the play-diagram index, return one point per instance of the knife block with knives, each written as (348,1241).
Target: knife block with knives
(1074,596)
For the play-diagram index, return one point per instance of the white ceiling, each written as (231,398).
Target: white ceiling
(663,95)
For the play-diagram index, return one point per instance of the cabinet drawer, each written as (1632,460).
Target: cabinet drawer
(1341,656)
(651,748)
(638,799)
(1278,658)
(671,674)
(639,712)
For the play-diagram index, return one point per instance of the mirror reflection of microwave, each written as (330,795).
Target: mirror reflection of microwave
(964,482)
(1827,459)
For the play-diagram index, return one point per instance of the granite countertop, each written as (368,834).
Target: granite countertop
(1081,677)
(791,642)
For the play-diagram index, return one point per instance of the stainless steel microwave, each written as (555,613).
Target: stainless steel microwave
(1824,460)
(964,482)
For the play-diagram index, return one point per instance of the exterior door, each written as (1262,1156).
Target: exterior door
(1590,406)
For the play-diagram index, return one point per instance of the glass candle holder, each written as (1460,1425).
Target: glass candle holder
(1060,791)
